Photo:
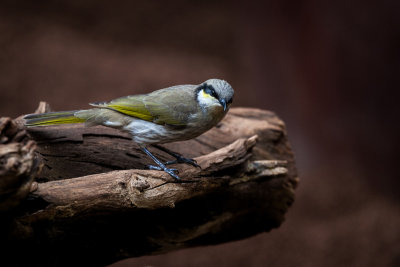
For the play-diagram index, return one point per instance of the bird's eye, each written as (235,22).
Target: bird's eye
(209,90)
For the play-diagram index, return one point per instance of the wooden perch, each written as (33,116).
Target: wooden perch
(18,165)
(94,202)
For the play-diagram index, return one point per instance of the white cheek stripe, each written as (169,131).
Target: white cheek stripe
(206,100)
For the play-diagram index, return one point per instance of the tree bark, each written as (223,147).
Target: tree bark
(93,201)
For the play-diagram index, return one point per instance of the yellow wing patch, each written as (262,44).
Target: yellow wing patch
(140,113)
(53,121)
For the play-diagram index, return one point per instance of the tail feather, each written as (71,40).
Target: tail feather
(52,118)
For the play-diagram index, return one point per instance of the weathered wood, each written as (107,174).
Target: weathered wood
(18,165)
(94,202)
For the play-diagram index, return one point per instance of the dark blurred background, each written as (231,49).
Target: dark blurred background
(329,69)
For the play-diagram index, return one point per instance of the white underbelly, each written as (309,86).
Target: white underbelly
(144,132)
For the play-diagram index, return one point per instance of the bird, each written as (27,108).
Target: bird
(176,113)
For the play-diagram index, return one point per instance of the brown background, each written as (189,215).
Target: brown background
(330,69)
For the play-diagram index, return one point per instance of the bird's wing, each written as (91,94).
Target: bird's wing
(170,106)
(130,105)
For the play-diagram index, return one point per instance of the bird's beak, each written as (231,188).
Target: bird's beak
(223,103)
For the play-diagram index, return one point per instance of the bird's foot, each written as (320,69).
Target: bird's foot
(170,171)
(180,159)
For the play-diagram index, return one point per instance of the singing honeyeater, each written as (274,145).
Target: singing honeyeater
(171,114)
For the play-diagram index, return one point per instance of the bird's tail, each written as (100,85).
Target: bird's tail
(52,118)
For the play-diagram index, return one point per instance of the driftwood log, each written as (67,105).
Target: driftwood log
(73,195)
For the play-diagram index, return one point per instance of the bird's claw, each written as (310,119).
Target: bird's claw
(170,171)
(158,168)
(181,159)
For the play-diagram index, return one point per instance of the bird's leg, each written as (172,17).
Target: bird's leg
(178,157)
(160,166)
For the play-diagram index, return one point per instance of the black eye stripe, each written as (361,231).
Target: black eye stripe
(209,89)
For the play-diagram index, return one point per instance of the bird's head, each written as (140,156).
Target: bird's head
(215,92)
